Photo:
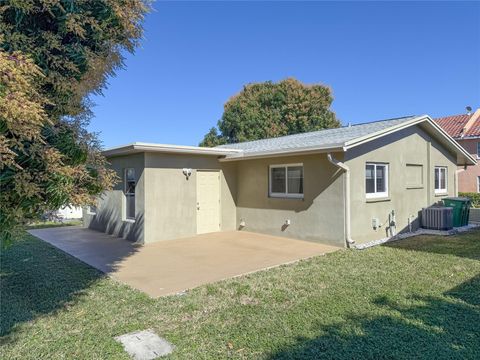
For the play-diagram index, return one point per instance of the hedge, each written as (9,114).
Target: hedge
(474,196)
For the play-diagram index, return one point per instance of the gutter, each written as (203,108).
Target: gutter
(165,148)
(346,169)
(241,155)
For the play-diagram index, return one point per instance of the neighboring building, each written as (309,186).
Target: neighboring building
(70,212)
(363,182)
(466,130)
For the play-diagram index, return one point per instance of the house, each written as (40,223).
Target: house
(70,212)
(465,129)
(337,186)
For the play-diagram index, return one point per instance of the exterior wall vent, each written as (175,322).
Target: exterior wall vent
(437,218)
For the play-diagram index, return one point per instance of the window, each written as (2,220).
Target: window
(92,210)
(440,180)
(130,183)
(286,181)
(478,184)
(376,180)
(478,150)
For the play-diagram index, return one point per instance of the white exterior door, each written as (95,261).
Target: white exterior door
(208,201)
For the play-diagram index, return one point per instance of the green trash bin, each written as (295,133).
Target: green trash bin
(461,208)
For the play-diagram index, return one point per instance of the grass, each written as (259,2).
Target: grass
(418,298)
(50,224)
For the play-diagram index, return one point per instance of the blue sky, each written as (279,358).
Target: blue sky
(381,59)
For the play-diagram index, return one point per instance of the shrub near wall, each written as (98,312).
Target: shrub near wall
(474,196)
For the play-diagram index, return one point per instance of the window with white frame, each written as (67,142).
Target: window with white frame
(440,179)
(478,184)
(92,210)
(478,150)
(130,183)
(376,180)
(286,181)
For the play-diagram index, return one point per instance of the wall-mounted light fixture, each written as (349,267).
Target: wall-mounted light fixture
(187,172)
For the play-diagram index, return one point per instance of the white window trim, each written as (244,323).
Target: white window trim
(285,194)
(478,184)
(441,190)
(383,194)
(125,195)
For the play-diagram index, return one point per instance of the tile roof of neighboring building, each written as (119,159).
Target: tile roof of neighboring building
(455,125)
(474,129)
(319,139)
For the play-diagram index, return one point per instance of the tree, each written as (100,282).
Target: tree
(53,55)
(266,110)
(212,138)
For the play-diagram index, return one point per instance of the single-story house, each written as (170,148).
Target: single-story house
(465,129)
(339,186)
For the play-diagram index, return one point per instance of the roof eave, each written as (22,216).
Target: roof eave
(285,152)
(378,134)
(462,154)
(161,148)
(468,137)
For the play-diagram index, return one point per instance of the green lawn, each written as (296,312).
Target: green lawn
(418,298)
(50,224)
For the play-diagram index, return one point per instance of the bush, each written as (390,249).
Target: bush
(474,196)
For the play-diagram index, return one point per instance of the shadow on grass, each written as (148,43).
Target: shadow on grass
(468,291)
(466,245)
(446,326)
(425,327)
(37,279)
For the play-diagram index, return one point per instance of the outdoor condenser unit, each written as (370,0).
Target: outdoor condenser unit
(437,218)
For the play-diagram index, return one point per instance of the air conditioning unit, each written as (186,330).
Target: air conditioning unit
(437,218)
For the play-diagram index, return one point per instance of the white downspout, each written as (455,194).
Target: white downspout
(348,237)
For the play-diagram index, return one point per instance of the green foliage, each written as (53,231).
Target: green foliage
(213,139)
(266,110)
(474,196)
(53,54)
(77,44)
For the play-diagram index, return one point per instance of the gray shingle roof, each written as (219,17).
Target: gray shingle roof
(320,139)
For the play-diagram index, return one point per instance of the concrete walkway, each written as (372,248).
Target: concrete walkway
(169,267)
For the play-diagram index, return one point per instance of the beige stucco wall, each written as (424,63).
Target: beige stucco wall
(409,146)
(110,206)
(318,217)
(170,205)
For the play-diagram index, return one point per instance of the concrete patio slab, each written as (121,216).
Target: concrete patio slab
(169,267)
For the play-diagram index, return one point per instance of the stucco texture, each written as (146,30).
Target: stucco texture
(318,217)
(171,203)
(110,216)
(411,146)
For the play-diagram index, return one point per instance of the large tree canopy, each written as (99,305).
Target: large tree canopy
(53,54)
(266,110)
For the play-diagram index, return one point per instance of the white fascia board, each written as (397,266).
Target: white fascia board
(284,152)
(473,137)
(138,147)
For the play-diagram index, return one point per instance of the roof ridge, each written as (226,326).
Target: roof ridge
(320,130)
(377,121)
